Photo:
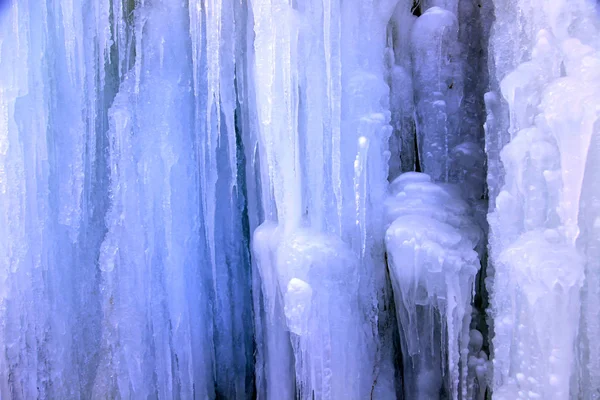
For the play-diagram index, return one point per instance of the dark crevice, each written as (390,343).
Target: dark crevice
(416,152)
(416,8)
(245,227)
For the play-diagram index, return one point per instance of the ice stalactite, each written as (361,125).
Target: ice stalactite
(107,284)
(215,52)
(537,224)
(282,199)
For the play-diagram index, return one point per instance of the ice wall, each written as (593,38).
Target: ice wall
(122,275)
(282,199)
(151,252)
(50,92)
(215,57)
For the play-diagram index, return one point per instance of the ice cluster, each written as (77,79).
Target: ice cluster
(300,199)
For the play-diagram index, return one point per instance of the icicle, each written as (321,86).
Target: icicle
(308,165)
(45,105)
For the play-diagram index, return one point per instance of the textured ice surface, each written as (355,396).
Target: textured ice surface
(278,199)
(432,261)
(48,207)
(322,130)
(438,87)
(541,243)
(310,282)
(106,284)
(150,253)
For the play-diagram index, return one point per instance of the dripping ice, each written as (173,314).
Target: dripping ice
(311,199)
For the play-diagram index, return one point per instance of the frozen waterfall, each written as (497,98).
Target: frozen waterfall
(300,199)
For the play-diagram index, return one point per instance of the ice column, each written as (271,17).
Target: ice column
(323,170)
(449,76)
(438,83)
(216,61)
(552,102)
(447,80)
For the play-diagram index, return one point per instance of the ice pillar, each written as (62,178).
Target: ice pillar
(540,224)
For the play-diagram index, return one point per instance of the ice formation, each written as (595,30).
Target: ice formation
(433,263)
(299,199)
(541,245)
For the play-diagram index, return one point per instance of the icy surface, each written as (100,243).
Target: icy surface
(311,284)
(311,199)
(438,87)
(47,203)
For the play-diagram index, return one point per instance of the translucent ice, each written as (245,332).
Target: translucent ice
(319,191)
